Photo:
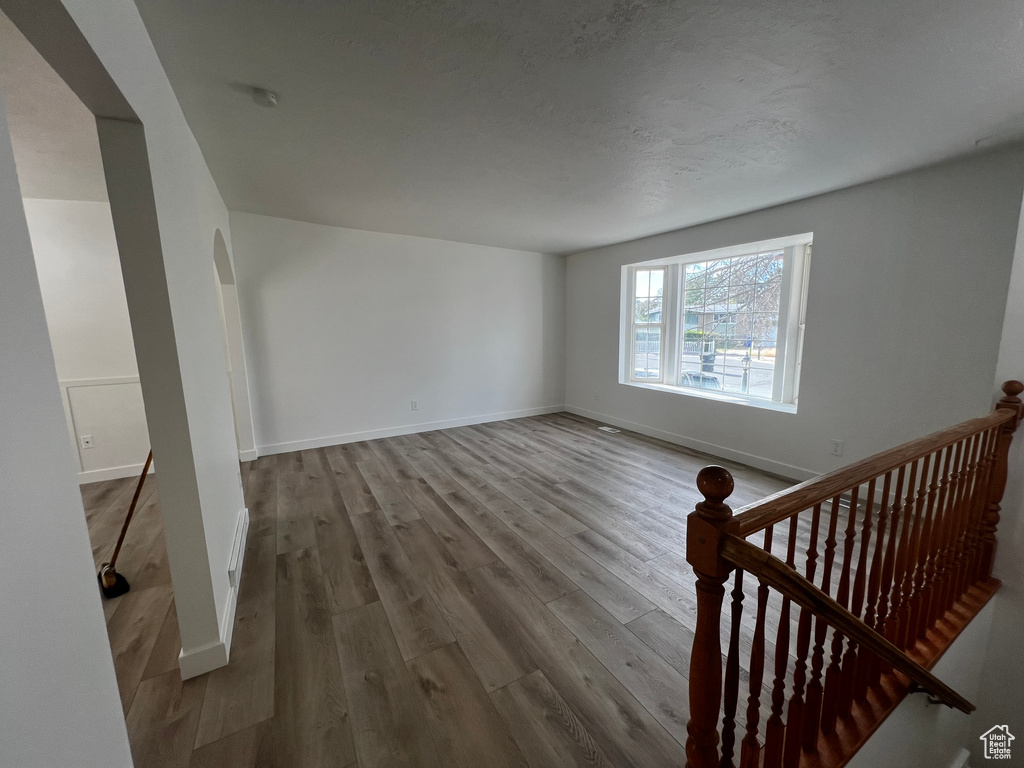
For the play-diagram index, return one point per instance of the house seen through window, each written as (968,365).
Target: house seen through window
(726,323)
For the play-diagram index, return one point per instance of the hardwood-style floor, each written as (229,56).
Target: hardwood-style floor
(508,594)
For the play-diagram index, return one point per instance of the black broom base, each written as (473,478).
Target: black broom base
(118,588)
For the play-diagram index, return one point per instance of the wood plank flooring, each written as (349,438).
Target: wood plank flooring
(507,594)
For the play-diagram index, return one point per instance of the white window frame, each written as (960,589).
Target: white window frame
(792,321)
(663,326)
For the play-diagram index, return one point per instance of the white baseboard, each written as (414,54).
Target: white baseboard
(749,459)
(248,455)
(205,659)
(408,429)
(111,473)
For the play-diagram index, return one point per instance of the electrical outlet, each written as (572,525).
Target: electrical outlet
(415,405)
(837,447)
(87,442)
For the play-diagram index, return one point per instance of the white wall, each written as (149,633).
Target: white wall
(107,423)
(59,703)
(922,735)
(984,663)
(344,328)
(1001,696)
(907,290)
(87,317)
(83,294)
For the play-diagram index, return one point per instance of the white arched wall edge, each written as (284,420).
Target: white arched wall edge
(237,371)
(163,204)
(222,260)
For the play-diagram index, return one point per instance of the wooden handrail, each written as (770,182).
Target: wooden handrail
(791,584)
(895,557)
(779,506)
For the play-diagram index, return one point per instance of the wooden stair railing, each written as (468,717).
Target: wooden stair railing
(864,577)
(799,590)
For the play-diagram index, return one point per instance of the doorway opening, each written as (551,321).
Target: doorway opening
(60,169)
(234,357)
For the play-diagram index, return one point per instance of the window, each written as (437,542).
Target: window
(726,324)
(648,323)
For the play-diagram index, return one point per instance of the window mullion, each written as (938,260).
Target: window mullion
(670,332)
(627,325)
(782,336)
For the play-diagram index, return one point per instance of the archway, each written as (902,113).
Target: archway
(234,353)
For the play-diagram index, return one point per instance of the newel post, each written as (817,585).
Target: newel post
(705,526)
(997,484)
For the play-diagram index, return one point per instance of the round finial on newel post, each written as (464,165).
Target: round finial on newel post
(1011,401)
(1012,390)
(715,485)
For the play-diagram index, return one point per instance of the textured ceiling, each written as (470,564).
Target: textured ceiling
(56,149)
(559,126)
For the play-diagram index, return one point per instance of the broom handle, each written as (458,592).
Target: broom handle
(131,509)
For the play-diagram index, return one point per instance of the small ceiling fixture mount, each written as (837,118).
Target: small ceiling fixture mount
(264,98)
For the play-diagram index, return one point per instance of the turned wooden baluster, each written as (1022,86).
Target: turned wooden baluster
(991,464)
(947,554)
(794,723)
(751,748)
(913,553)
(732,674)
(705,526)
(867,662)
(976,509)
(897,611)
(972,514)
(919,602)
(917,608)
(849,665)
(929,553)
(830,701)
(888,567)
(997,484)
(960,522)
(815,689)
(775,729)
(946,488)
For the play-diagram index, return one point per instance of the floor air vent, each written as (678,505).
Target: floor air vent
(613,430)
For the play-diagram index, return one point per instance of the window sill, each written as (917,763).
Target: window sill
(722,397)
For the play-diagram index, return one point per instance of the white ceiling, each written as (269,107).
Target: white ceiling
(56,149)
(554,126)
